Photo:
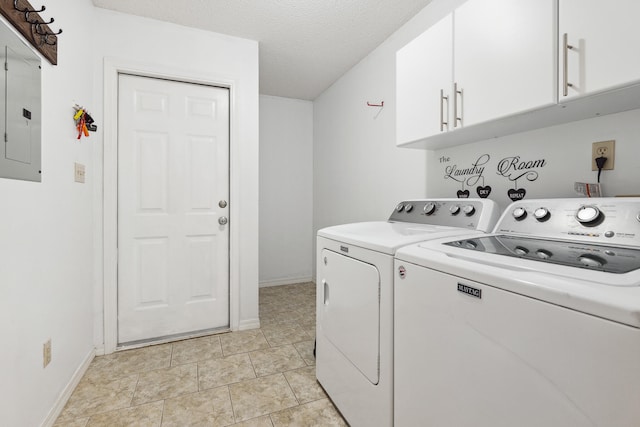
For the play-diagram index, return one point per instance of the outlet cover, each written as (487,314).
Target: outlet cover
(606,149)
(79,172)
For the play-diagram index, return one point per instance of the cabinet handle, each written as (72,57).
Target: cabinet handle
(442,122)
(565,64)
(456,92)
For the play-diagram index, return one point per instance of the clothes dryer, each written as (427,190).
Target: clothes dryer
(354,354)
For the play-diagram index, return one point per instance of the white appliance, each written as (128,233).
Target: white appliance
(354,355)
(535,325)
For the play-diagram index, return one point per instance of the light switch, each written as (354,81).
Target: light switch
(79,172)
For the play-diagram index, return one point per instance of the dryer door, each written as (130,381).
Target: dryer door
(350,312)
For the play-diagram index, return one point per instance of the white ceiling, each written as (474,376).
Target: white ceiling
(305,45)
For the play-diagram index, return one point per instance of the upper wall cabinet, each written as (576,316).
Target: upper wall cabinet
(598,45)
(424,73)
(504,58)
(486,60)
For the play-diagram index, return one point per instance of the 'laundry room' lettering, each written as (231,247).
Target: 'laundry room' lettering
(513,168)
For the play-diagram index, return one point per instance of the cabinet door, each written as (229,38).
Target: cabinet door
(605,38)
(504,60)
(423,69)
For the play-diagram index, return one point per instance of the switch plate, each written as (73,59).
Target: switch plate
(79,171)
(46,353)
(606,149)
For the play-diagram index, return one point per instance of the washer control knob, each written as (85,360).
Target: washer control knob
(609,234)
(541,214)
(408,207)
(519,250)
(454,209)
(469,210)
(588,215)
(400,207)
(470,244)
(519,214)
(429,208)
(544,254)
(591,261)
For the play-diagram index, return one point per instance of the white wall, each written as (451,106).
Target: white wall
(358,173)
(566,150)
(46,239)
(286,183)
(182,51)
(51,232)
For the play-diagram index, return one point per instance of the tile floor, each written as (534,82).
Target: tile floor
(262,378)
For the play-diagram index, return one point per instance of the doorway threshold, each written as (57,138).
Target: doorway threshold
(171,338)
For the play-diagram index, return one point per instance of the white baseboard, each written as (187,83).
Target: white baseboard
(245,325)
(57,408)
(286,281)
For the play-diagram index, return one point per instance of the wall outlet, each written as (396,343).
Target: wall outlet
(46,353)
(606,149)
(79,172)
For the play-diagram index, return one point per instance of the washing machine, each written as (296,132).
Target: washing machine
(536,324)
(354,354)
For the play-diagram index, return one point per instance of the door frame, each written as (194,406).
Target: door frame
(112,68)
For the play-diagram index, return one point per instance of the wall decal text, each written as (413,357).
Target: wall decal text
(515,168)
(467,176)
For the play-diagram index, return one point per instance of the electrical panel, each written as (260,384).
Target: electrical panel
(20,109)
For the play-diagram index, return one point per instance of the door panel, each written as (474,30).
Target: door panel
(152,154)
(150,258)
(173,168)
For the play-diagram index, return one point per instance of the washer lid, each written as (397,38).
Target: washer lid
(609,259)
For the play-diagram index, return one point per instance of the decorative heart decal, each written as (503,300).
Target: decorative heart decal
(463,194)
(516,195)
(483,192)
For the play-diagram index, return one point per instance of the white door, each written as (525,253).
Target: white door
(173,185)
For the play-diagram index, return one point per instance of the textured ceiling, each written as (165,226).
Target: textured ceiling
(305,45)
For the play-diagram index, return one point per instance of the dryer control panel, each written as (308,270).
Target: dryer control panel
(609,220)
(474,214)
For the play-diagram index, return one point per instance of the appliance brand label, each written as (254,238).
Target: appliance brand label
(344,249)
(470,291)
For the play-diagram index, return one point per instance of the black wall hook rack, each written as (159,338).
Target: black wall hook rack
(26,9)
(27,20)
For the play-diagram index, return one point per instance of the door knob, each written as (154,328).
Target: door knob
(222,204)
(223,220)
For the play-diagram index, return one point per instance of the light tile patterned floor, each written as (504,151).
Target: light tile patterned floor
(258,378)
